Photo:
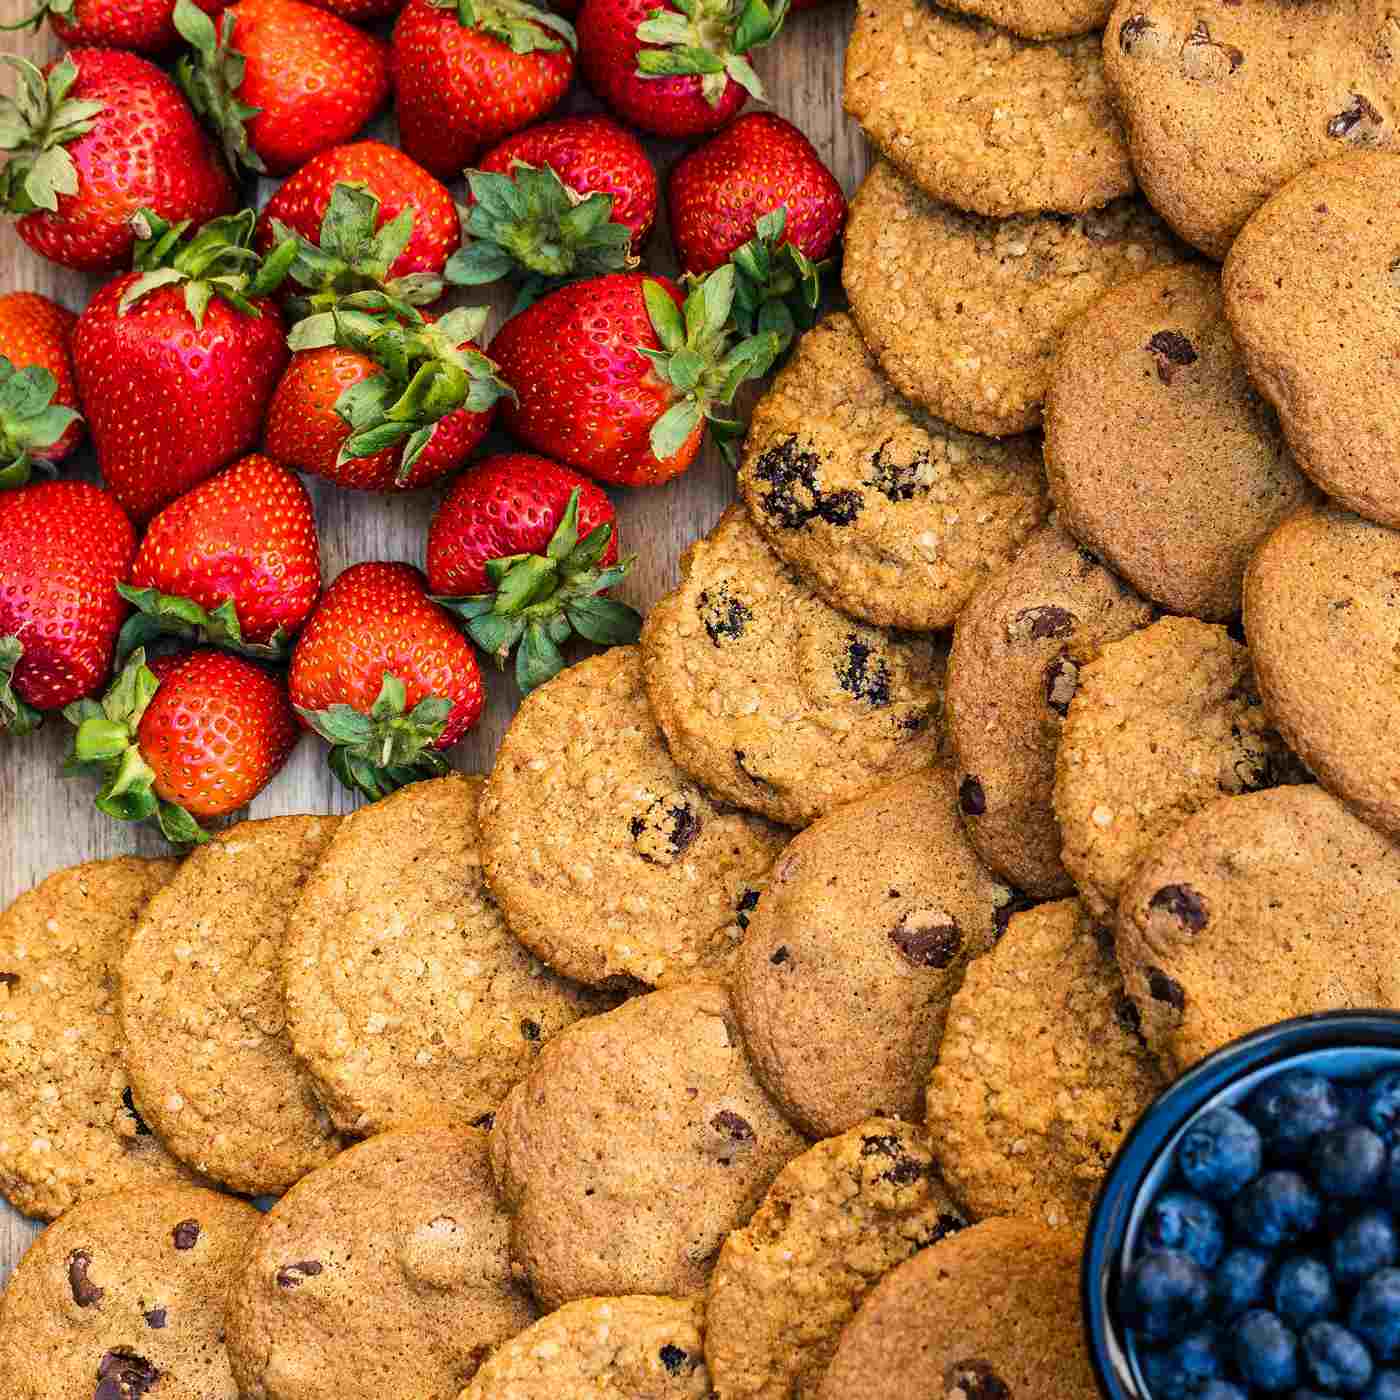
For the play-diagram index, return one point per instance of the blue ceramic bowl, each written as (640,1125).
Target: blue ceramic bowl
(1341,1044)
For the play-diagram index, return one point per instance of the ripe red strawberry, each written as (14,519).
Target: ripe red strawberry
(469,72)
(675,69)
(64,547)
(279,80)
(39,420)
(385,406)
(382,674)
(147,26)
(592,366)
(523,549)
(198,741)
(103,135)
(235,562)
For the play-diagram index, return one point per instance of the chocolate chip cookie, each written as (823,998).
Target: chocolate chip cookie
(985,120)
(636,1144)
(774,700)
(855,950)
(384,1273)
(1040,19)
(892,516)
(1287,884)
(123,1298)
(1017,650)
(203,1019)
(1041,1073)
(836,1220)
(1312,289)
(1161,455)
(965,313)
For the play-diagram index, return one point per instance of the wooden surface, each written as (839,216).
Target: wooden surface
(47,821)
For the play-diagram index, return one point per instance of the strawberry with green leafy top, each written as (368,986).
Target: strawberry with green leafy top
(39,421)
(145,26)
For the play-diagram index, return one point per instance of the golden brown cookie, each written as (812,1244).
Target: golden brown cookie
(203,1018)
(771,698)
(384,1273)
(1161,455)
(835,1221)
(985,120)
(1256,909)
(639,1140)
(1041,1073)
(1312,289)
(1040,19)
(965,313)
(1014,668)
(855,950)
(892,516)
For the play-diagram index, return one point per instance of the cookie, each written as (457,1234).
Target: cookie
(989,122)
(1320,611)
(774,700)
(609,862)
(1312,289)
(835,1221)
(1161,456)
(68,1128)
(602,1349)
(855,949)
(965,313)
(1163,722)
(1013,669)
(384,1273)
(1040,19)
(1225,103)
(989,1313)
(892,516)
(1041,1073)
(124,1297)
(1286,880)
(636,1144)
(203,1019)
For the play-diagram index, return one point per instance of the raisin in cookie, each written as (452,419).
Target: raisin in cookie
(835,1221)
(1040,19)
(892,516)
(1014,667)
(773,699)
(1041,1073)
(965,313)
(1161,455)
(636,1144)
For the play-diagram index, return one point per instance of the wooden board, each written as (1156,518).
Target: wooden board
(47,821)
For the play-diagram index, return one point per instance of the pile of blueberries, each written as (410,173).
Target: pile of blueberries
(1268,1264)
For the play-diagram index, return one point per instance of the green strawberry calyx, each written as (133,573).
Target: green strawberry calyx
(541,600)
(62,8)
(522,27)
(106,742)
(778,287)
(429,372)
(531,224)
(211,75)
(36,125)
(169,615)
(29,421)
(709,39)
(379,752)
(16,717)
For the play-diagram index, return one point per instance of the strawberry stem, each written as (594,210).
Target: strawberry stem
(29,420)
(169,615)
(35,128)
(211,76)
(777,287)
(709,39)
(522,27)
(16,717)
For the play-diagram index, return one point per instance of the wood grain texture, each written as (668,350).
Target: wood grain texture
(47,821)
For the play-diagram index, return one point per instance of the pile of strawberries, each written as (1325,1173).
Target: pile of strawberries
(176,615)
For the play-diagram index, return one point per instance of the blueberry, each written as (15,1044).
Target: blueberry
(1303,1291)
(1163,1294)
(1224,1390)
(1367,1244)
(1375,1314)
(1293,1108)
(1348,1163)
(1239,1281)
(1385,1385)
(1383,1103)
(1182,1221)
(1275,1209)
(1220,1153)
(1335,1358)
(1179,1371)
(1266,1352)
(1389,1185)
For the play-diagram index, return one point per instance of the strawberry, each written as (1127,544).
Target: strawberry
(678,69)
(39,419)
(234,562)
(382,674)
(197,741)
(103,135)
(472,71)
(147,26)
(381,406)
(613,379)
(523,548)
(64,547)
(280,81)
